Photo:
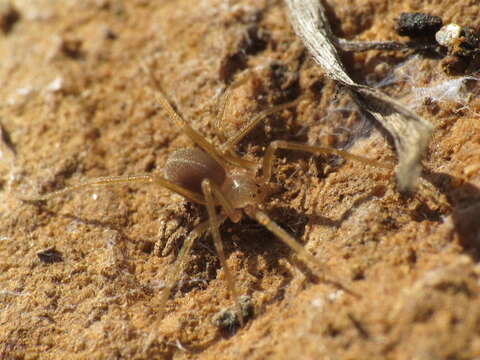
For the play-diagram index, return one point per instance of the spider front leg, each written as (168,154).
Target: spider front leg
(293,244)
(207,186)
(174,273)
(253,122)
(96,182)
(280,144)
(119,180)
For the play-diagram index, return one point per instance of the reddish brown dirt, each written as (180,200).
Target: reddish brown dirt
(76,105)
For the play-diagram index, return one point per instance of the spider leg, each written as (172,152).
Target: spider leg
(288,240)
(120,180)
(279,144)
(222,115)
(174,273)
(252,123)
(179,122)
(229,153)
(208,193)
(224,104)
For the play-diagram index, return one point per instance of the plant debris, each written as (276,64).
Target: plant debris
(462,45)
(410,133)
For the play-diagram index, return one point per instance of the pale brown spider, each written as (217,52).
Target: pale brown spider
(216,176)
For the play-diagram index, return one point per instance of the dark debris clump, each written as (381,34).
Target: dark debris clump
(9,15)
(460,46)
(50,256)
(227,320)
(416,25)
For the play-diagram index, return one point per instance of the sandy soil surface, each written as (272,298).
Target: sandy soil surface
(81,275)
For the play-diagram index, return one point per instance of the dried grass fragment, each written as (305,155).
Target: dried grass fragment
(410,133)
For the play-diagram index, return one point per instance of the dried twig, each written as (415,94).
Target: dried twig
(349,45)
(410,133)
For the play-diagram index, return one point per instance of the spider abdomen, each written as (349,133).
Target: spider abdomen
(189,167)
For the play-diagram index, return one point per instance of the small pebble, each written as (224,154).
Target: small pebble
(447,35)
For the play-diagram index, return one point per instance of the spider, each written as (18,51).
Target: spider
(215,176)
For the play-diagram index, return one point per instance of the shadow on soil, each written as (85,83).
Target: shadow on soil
(465,202)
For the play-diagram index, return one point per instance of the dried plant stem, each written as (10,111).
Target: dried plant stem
(409,132)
